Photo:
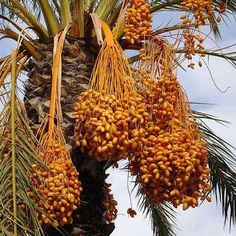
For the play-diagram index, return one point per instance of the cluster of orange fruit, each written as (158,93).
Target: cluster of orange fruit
(172,166)
(110,204)
(151,124)
(58,186)
(138,21)
(192,44)
(202,9)
(106,127)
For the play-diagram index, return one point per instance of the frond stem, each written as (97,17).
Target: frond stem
(13,137)
(204,52)
(210,53)
(27,45)
(42,33)
(65,13)
(8,68)
(172,28)
(163,5)
(50,17)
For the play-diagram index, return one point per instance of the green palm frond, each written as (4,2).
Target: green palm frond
(164,5)
(11,34)
(49,17)
(17,156)
(222,162)
(35,13)
(222,53)
(32,5)
(65,13)
(15,165)
(19,10)
(17,26)
(214,26)
(162,216)
(104,8)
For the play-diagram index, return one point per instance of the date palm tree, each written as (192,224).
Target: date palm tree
(34,25)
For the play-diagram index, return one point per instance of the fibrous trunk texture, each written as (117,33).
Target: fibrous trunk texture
(77,64)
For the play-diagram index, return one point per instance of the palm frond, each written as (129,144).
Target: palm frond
(49,17)
(17,26)
(230,5)
(222,162)
(77,28)
(104,8)
(33,7)
(17,158)
(215,27)
(9,10)
(164,5)
(6,64)
(162,216)
(15,8)
(228,56)
(220,53)
(11,34)
(65,13)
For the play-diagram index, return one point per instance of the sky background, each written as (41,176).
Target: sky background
(206,220)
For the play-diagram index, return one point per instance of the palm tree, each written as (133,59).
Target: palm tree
(36,26)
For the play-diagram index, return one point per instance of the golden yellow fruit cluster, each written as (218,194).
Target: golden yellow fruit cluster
(107,127)
(58,186)
(192,44)
(110,204)
(172,167)
(202,9)
(138,21)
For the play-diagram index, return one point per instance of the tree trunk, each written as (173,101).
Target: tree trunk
(77,64)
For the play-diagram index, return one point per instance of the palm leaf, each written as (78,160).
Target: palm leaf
(17,156)
(220,53)
(11,34)
(214,26)
(15,8)
(222,162)
(17,26)
(65,13)
(162,216)
(33,7)
(49,17)
(104,8)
